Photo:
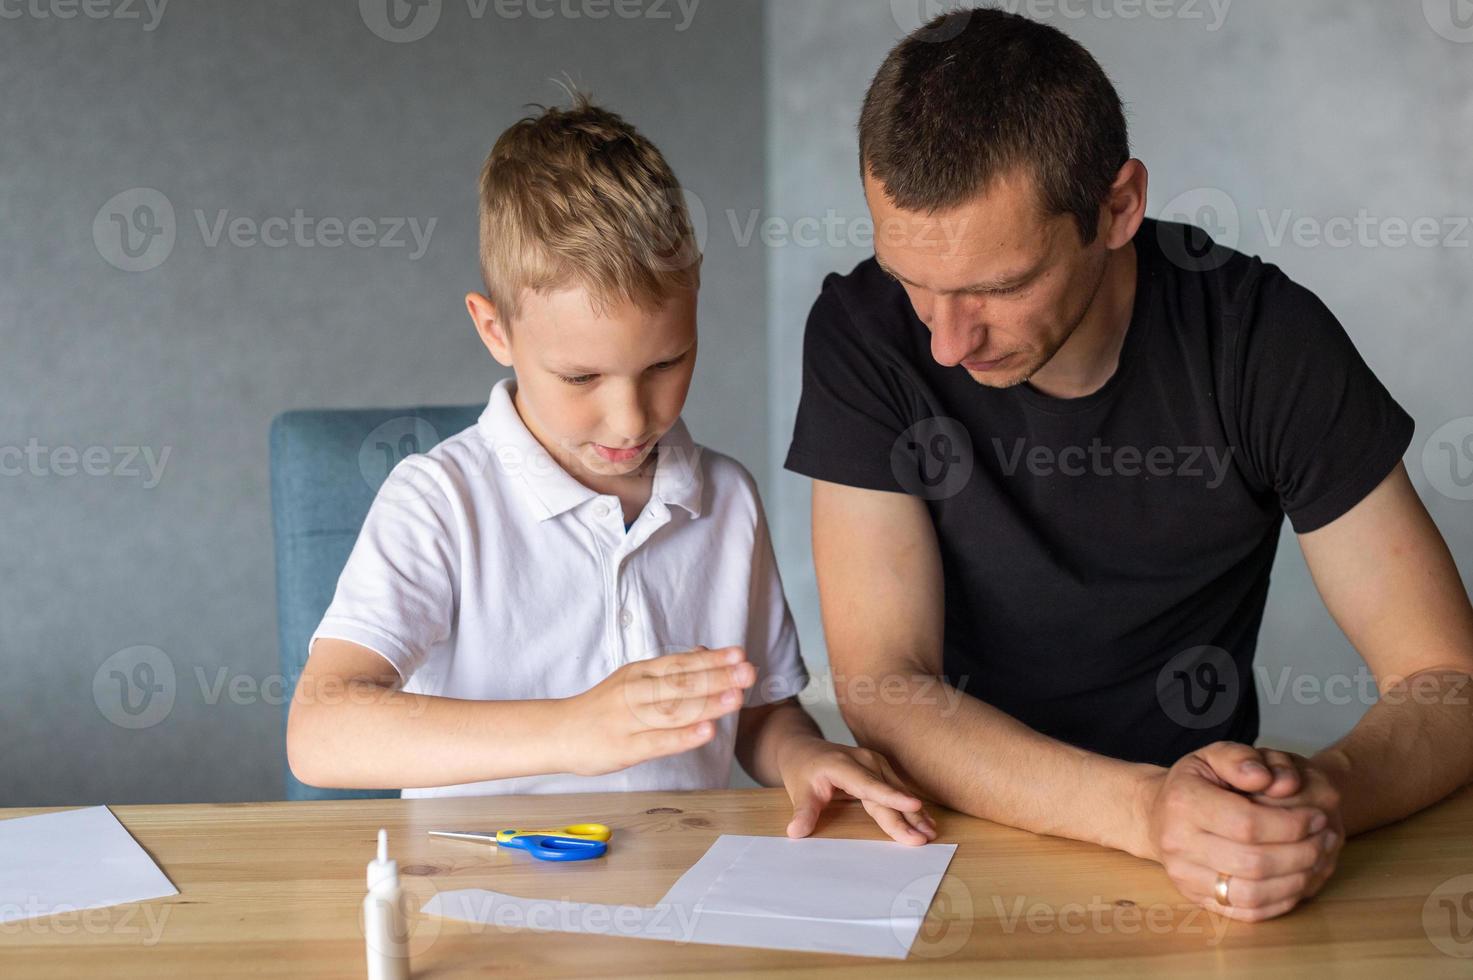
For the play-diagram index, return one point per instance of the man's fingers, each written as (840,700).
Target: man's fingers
(1288,780)
(654,743)
(1200,883)
(1254,861)
(1235,817)
(892,823)
(1240,766)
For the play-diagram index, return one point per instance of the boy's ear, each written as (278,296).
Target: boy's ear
(489,327)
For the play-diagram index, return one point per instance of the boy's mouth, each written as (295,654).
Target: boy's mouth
(620,455)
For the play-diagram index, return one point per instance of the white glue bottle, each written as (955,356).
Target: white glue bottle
(384,927)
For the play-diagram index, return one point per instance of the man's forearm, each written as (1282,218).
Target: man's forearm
(1414,747)
(969,756)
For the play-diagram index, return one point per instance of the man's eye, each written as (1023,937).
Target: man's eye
(577,379)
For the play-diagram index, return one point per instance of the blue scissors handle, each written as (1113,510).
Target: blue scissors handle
(545,848)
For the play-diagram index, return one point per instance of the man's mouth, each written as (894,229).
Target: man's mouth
(981,367)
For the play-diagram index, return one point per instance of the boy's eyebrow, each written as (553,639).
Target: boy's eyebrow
(575,371)
(1003,282)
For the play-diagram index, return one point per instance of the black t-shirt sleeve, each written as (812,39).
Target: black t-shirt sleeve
(1318,427)
(853,404)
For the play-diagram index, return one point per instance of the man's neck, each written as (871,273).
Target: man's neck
(1091,355)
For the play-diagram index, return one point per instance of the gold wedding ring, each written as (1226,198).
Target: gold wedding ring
(1220,890)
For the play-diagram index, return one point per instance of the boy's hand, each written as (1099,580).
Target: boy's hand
(813,769)
(653,708)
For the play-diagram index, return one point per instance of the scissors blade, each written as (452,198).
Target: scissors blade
(480,837)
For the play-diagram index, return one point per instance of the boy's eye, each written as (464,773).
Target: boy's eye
(666,365)
(577,379)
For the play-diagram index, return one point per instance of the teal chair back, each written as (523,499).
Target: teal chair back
(326,466)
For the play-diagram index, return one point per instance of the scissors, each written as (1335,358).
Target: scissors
(575,842)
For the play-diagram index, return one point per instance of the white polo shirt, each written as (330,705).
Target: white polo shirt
(484,571)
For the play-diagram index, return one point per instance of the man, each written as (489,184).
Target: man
(1053,444)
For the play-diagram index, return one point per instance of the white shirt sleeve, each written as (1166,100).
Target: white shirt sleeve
(772,639)
(398,592)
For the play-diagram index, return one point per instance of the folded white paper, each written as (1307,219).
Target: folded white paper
(864,898)
(72,860)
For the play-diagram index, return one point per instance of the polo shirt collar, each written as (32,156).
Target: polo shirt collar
(678,481)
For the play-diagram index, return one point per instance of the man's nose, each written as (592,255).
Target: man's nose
(954,331)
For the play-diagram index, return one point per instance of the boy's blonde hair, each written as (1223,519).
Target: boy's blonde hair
(578,196)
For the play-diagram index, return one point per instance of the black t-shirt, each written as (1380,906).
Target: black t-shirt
(1107,558)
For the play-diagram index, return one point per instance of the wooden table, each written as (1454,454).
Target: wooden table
(274,889)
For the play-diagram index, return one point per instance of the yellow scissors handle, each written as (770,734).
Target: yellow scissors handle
(585,831)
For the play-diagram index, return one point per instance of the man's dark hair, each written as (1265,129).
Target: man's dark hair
(977,93)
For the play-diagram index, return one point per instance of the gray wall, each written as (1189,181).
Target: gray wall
(261,108)
(1315,109)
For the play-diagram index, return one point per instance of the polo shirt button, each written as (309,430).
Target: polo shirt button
(625,617)
(602,510)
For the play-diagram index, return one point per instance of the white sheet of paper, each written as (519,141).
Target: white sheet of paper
(72,860)
(864,898)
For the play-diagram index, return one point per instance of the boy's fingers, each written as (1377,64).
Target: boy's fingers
(861,784)
(691,684)
(806,807)
(892,823)
(659,742)
(699,659)
(686,711)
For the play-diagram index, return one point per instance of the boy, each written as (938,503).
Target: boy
(529,605)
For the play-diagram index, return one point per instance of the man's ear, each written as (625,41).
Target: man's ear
(490,327)
(1125,205)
